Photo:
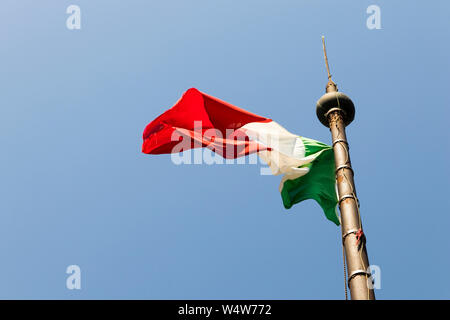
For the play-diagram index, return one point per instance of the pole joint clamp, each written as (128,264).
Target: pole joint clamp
(340,141)
(348,196)
(344,166)
(349,232)
(333,110)
(358,272)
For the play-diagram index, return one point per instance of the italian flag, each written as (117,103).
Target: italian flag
(198,120)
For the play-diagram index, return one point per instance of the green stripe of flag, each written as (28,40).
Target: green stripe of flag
(318,184)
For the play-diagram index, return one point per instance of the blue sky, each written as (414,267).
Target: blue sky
(75,188)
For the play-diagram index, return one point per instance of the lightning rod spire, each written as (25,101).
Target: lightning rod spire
(331,86)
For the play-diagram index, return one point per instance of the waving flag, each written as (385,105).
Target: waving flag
(205,121)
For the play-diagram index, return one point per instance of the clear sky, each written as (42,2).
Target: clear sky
(76,190)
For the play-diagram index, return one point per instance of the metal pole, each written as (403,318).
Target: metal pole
(336,110)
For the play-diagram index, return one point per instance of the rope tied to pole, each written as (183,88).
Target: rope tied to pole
(345,272)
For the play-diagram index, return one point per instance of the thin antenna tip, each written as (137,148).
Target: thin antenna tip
(326,59)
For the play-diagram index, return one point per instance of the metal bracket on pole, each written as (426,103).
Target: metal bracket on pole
(341,141)
(347,196)
(333,110)
(349,233)
(357,273)
(345,166)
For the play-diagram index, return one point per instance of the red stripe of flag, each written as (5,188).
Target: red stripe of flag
(220,127)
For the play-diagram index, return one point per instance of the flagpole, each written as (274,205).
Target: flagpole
(335,110)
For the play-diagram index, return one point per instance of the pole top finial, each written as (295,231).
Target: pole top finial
(333,100)
(331,86)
